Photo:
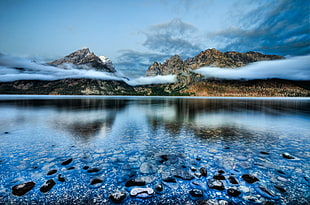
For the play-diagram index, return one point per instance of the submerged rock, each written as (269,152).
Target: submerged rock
(147,168)
(232,180)
(60,178)
(219,177)
(216,184)
(169,179)
(93,170)
(183,174)
(96,181)
(117,197)
(265,192)
(48,185)
(51,172)
(142,192)
(135,182)
(68,161)
(233,192)
(203,171)
(159,187)
(281,189)
(264,153)
(196,192)
(86,167)
(22,189)
(249,178)
(287,156)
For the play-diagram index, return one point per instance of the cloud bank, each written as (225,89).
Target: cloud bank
(159,79)
(295,68)
(12,69)
(275,27)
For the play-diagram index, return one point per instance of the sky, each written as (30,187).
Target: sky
(135,33)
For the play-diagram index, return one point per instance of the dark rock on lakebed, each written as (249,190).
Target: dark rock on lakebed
(51,172)
(169,179)
(196,192)
(86,167)
(48,185)
(68,161)
(264,153)
(159,187)
(183,174)
(232,180)
(93,170)
(71,168)
(265,192)
(249,178)
(219,176)
(280,188)
(22,189)
(287,156)
(135,182)
(233,192)
(96,181)
(117,197)
(203,171)
(216,184)
(61,178)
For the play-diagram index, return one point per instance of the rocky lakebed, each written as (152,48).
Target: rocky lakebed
(130,154)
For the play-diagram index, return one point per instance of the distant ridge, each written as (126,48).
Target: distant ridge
(209,57)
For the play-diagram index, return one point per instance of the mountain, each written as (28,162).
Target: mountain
(86,59)
(188,83)
(209,57)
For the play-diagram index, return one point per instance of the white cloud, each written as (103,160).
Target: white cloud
(295,68)
(159,79)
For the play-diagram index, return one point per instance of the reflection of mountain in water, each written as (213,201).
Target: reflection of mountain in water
(219,115)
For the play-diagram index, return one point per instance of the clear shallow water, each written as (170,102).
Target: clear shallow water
(118,139)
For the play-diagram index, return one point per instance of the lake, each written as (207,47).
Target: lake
(154,150)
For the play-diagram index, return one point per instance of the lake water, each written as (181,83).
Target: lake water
(154,150)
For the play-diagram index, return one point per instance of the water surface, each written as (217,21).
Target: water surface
(150,140)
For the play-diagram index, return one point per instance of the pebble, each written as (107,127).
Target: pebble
(265,192)
(287,156)
(169,179)
(60,178)
(68,161)
(117,197)
(96,181)
(142,192)
(281,189)
(233,192)
(264,153)
(249,178)
(232,180)
(203,171)
(51,172)
(48,185)
(22,189)
(159,187)
(219,177)
(93,170)
(196,192)
(135,182)
(216,184)
(183,174)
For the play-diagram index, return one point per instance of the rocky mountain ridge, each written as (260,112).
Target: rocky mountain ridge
(209,57)
(85,57)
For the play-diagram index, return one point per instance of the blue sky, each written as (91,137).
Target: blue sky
(135,33)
